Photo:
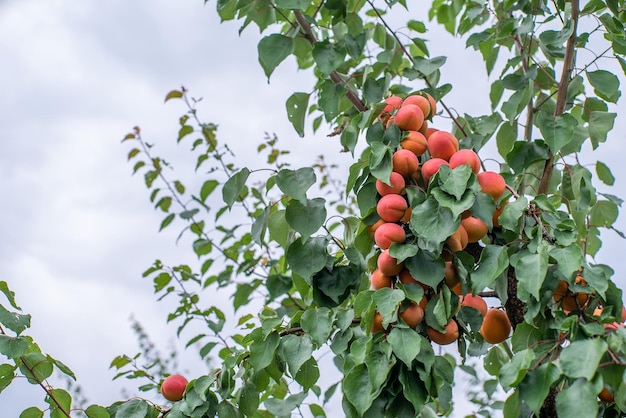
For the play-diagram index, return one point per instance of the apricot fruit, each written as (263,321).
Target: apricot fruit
(605,395)
(496,326)
(430,168)
(409,118)
(387,234)
(404,162)
(458,240)
(377,323)
(371,230)
(465,156)
(173,387)
(450,275)
(420,101)
(415,142)
(442,144)
(568,300)
(388,265)
(450,335)
(492,183)
(391,207)
(430,131)
(496,214)
(413,315)
(392,103)
(476,302)
(475,228)
(396,185)
(378,280)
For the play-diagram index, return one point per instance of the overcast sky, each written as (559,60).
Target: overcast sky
(77,229)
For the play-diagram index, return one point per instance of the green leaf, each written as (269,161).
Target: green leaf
(505,138)
(14,321)
(512,373)
(226,409)
(426,267)
(428,66)
(134,408)
(433,223)
(273,49)
(297,105)
(174,94)
(306,258)
(308,374)
(166,221)
(327,56)
(358,388)
(605,84)
(455,182)
(405,343)
(332,287)
(295,183)
(494,260)
(234,186)
(568,259)
(295,350)
(318,323)
(207,189)
(387,301)
(531,269)
(604,173)
(306,218)
(536,385)
(557,131)
(293,4)
(600,123)
(248,399)
(510,217)
(379,365)
(36,367)
(262,352)
(283,407)
(603,213)
(4,288)
(581,358)
(59,399)
(381,161)
(32,412)
(577,400)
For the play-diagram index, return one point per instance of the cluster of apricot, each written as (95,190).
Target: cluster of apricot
(419,156)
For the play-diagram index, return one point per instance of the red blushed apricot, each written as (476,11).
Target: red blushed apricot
(450,335)
(378,280)
(496,326)
(492,183)
(476,302)
(476,229)
(424,129)
(415,142)
(465,156)
(407,215)
(458,240)
(409,118)
(421,102)
(387,234)
(396,186)
(430,131)
(413,315)
(623,314)
(442,145)
(391,207)
(430,167)
(407,278)
(404,162)
(371,230)
(392,103)
(388,265)
(433,103)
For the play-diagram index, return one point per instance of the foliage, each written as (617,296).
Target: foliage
(307,252)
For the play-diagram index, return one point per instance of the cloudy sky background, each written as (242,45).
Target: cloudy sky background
(77,229)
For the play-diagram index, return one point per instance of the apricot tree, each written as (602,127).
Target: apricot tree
(382,266)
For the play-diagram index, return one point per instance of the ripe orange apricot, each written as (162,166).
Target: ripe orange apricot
(458,290)
(605,395)
(424,129)
(396,186)
(430,168)
(492,183)
(476,302)
(409,118)
(392,103)
(568,300)
(407,215)
(458,240)
(496,213)
(413,315)
(450,335)
(415,142)
(387,234)
(378,280)
(391,207)
(442,144)
(404,162)
(377,323)
(476,229)
(388,265)
(371,230)
(430,131)
(465,156)
(450,275)
(496,326)
(421,102)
